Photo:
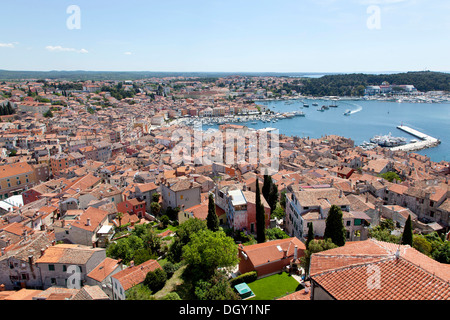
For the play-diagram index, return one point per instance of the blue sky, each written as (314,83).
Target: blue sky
(230,36)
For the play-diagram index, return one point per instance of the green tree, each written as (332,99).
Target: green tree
(421,244)
(310,234)
(139,292)
(155,280)
(278,212)
(272,200)
(390,176)
(155,208)
(208,251)
(164,221)
(48,114)
(442,253)
(119,216)
(266,185)
(216,288)
(183,236)
(334,226)
(212,221)
(260,218)
(275,233)
(314,247)
(407,236)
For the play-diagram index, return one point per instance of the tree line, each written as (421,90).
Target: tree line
(354,84)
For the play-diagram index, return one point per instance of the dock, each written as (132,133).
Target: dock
(426,141)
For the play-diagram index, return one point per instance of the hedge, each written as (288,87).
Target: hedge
(246,277)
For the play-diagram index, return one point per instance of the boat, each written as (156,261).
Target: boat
(315,104)
(306,105)
(254,122)
(347,112)
(323,108)
(333,105)
(388,140)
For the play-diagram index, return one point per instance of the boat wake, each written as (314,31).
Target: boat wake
(358,108)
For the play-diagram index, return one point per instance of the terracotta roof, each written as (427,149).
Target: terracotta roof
(132,276)
(104,269)
(95,216)
(68,254)
(262,253)
(13,169)
(344,272)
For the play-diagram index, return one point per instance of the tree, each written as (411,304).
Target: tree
(139,292)
(314,247)
(266,185)
(155,208)
(164,221)
(260,218)
(208,251)
(155,197)
(272,200)
(48,114)
(212,221)
(421,244)
(119,216)
(216,288)
(155,280)
(407,237)
(275,233)
(334,226)
(310,234)
(278,212)
(183,236)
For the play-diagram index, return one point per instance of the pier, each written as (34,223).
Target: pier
(426,141)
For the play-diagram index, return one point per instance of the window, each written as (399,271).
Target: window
(357,222)
(181,197)
(51,267)
(64,268)
(53,281)
(348,223)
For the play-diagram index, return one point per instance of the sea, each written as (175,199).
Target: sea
(367,119)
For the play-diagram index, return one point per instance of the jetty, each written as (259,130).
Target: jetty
(425,141)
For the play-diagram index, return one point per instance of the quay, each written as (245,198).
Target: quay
(426,141)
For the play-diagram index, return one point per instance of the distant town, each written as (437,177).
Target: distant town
(100,200)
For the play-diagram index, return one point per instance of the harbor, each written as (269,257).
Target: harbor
(425,141)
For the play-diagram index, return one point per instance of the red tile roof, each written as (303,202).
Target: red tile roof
(345,274)
(132,276)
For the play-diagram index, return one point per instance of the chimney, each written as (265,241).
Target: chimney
(132,263)
(340,193)
(42,252)
(295,252)
(30,259)
(88,221)
(2,287)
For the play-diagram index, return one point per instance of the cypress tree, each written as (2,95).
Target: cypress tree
(212,221)
(266,186)
(334,226)
(310,234)
(273,196)
(407,237)
(260,218)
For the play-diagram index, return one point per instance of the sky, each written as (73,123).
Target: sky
(226,36)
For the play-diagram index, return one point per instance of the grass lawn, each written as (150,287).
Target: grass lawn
(274,286)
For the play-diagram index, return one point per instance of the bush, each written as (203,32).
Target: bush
(171,296)
(164,221)
(155,280)
(170,268)
(246,277)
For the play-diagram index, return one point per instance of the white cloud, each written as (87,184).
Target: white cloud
(6,45)
(128,53)
(62,49)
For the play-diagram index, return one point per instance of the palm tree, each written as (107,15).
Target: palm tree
(119,216)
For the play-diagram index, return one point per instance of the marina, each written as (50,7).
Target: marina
(425,141)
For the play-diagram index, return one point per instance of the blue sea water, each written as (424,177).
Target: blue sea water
(368,118)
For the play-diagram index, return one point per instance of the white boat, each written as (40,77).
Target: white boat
(347,112)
